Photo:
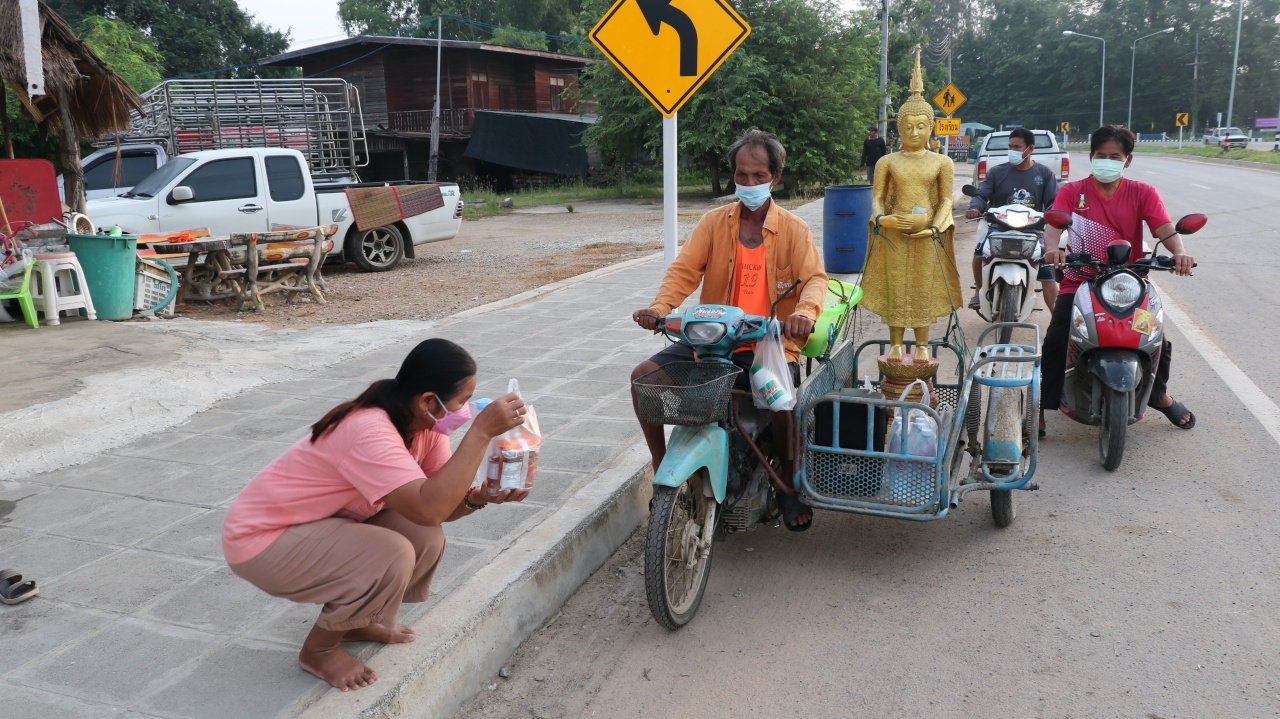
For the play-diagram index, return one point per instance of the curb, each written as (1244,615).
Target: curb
(465,639)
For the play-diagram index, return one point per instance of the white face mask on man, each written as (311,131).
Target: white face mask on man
(1015,157)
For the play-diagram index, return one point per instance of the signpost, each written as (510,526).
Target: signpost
(949,99)
(1182,119)
(1064,127)
(668,52)
(947,126)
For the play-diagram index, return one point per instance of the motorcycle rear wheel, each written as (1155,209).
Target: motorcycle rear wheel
(678,546)
(1111,433)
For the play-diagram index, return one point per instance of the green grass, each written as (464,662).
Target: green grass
(1270,158)
(485,203)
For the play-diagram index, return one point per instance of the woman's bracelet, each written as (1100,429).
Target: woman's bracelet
(466,500)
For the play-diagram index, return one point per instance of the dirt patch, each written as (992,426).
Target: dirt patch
(491,258)
(559,670)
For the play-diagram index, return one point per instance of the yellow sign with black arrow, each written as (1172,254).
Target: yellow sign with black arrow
(668,48)
(1182,118)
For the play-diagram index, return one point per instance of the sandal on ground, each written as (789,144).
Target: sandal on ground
(792,508)
(1175,412)
(15,591)
(975,303)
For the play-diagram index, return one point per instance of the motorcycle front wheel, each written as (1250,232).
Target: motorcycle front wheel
(677,557)
(1008,312)
(1115,423)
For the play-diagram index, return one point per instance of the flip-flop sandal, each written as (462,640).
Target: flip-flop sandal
(1175,412)
(975,303)
(15,591)
(792,507)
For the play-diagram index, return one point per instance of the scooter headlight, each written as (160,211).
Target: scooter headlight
(704,333)
(1016,219)
(1079,328)
(1122,290)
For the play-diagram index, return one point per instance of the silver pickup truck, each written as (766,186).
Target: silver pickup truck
(994,148)
(1226,137)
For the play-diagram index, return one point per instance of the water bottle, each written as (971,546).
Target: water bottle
(768,388)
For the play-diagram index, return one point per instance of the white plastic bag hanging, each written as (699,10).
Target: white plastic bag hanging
(921,441)
(771,383)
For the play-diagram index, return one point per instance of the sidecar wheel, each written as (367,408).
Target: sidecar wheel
(678,545)
(1004,506)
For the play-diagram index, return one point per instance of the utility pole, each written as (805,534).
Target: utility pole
(434,162)
(884,68)
(1195,85)
(1235,63)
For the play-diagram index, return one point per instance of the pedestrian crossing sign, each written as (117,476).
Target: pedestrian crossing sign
(949,99)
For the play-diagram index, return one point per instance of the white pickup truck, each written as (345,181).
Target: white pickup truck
(995,147)
(250,190)
(1226,137)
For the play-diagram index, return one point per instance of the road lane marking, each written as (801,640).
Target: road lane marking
(1203,187)
(1250,395)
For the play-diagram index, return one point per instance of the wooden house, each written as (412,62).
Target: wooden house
(504,111)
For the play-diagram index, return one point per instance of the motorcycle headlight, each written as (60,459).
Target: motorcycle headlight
(1122,290)
(1079,328)
(1016,219)
(704,333)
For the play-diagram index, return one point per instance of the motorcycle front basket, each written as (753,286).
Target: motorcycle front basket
(685,393)
(1013,245)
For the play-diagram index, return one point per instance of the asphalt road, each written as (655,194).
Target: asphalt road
(1151,591)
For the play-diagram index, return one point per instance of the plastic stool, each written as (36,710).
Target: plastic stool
(62,286)
(23,296)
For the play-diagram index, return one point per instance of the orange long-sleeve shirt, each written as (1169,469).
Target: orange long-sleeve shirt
(708,258)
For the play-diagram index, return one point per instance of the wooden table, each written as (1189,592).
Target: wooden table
(217,278)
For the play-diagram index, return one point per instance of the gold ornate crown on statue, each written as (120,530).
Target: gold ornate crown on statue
(916,104)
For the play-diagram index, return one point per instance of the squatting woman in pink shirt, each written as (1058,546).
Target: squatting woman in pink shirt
(349,517)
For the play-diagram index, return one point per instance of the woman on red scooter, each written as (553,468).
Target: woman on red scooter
(1123,205)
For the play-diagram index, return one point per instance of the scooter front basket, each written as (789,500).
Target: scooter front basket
(685,393)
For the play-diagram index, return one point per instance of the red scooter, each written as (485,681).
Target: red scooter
(1116,334)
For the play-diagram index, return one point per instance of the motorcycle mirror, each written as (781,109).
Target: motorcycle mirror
(1058,219)
(1191,224)
(969,191)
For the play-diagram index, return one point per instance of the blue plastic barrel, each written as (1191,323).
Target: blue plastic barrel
(846,212)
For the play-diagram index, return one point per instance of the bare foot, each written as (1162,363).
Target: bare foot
(336,667)
(381,634)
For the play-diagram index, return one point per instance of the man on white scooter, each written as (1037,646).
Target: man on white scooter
(1123,205)
(1021,181)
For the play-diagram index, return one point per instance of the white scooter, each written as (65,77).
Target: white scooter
(1014,247)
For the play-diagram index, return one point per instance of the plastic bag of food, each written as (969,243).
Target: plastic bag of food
(512,459)
(921,441)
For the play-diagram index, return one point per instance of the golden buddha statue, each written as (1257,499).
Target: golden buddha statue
(910,278)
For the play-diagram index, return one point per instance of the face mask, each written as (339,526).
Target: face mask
(754,196)
(1107,170)
(1015,157)
(450,421)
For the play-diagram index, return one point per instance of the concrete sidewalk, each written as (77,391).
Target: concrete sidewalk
(138,615)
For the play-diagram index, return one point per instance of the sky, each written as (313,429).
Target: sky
(311,22)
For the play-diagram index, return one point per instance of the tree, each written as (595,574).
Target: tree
(125,49)
(489,20)
(807,73)
(193,36)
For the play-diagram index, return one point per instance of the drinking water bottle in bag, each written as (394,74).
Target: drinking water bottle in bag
(767,387)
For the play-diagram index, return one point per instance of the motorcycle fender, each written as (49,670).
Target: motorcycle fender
(1013,273)
(693,448)
(1119,370)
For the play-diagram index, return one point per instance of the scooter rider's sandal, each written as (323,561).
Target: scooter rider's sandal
(792,508)
(1175,412)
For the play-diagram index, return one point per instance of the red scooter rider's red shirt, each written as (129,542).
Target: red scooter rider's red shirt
(1123,214)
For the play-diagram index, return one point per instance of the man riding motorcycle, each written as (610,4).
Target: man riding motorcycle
(1021,181)
(747,254)
(1123,206)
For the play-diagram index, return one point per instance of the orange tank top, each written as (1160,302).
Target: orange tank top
(751,286)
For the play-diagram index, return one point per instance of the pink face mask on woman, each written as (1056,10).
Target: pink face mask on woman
(452,420)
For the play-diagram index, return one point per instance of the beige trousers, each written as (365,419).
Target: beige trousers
(359,571)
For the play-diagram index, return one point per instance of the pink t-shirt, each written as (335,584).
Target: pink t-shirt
(1124,213)
(345,474)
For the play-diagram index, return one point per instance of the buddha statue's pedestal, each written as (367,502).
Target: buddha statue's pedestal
(899,375)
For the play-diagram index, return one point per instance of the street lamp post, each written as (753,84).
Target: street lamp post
(1235,63)
(1133,62)
(1103,93)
